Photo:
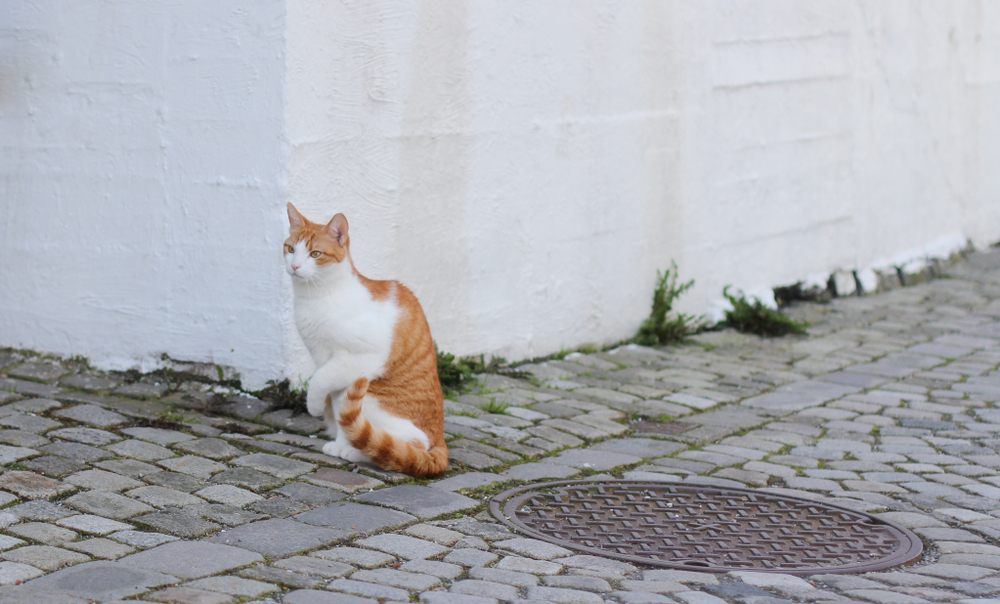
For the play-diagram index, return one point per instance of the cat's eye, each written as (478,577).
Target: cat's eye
(315,254)
(289,249)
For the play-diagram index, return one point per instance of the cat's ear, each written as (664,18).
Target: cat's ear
(338,229)
(295,220)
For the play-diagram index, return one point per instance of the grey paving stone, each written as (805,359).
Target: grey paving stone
(639,447)
(43,533)
(213,448)
(582,583)
(472,459)
(403,546)
(246,588)
(246,407)
(97,525)
(487,589)
(188,595)
(191,559)
(102,480)
(529,566)
(533,548)
(422,502)
(141,450)
(535,471)
(228,494)
(226,514)
(29,423)
(183,523)
(43,371)
(199,467)
(158,436)
(29,485)
(279,507)
(100,581)
(489,531)
(163,497)
(799,395)
(28,388)
(339,479)
(141,539)
(593,460)
(365,558)
(76,451)
(561,595)
(92,415)
(442,570)
(444,597)
(557,436)
(129,467)
(281,467)
(278,538)
(20,438)
(397,578)
(93,383)
(597,564)
(850,378)
(282,577)
(53,465)
(45,557)
(507,577)
(466,556)
(371,590)
(283,419)
(437,534)
(309,493)
(176,481)
(109,505)
(247,478)
(88,436)
(39,510)
(99,547)
(351,518)
(309,565)
(468,480)
(142,390)
(312,596)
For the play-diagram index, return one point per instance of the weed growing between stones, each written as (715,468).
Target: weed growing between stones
(753,317)
(283,395)
(494,406)
(455,375)
(662,328)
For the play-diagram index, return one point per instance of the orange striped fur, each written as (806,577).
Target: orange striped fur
(405,385)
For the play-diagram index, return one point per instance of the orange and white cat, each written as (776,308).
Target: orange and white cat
(376,379)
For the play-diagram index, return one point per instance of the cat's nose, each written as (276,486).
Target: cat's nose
(296,267)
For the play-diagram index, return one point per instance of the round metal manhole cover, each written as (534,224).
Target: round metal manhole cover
(708,529)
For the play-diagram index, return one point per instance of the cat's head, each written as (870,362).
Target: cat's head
(315,250)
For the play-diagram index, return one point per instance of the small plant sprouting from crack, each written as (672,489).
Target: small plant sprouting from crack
(662,328)
(753,317)
(495,407)
(283,395)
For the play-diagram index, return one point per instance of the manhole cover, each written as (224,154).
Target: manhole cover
(709,529)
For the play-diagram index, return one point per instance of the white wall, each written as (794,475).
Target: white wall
(142,179)
(525,167)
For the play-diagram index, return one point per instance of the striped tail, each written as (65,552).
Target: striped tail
(385,450)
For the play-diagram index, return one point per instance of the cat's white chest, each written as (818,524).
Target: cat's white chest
(345,319)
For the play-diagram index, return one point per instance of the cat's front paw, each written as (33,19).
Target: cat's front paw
(333,448)
(344,450)
(315,401)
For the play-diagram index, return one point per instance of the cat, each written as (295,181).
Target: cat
(376,380)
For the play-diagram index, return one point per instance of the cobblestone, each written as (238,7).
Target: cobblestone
(870,412)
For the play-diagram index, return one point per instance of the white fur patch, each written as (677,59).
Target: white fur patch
(401,428)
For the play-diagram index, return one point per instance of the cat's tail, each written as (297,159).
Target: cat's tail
(384,449)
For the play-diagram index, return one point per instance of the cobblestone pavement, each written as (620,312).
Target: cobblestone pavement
(114,489)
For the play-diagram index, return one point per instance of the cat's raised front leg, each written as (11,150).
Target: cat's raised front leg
(335,376)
